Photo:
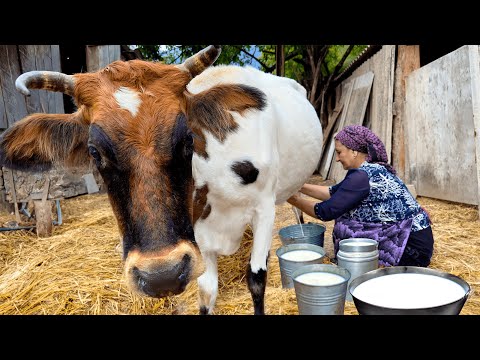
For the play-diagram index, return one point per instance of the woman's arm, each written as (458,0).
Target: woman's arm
(349,194)
(304,204)
(319,192)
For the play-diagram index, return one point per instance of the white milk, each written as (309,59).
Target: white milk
(408,291)
(301,255)
(357,243)
(320,278)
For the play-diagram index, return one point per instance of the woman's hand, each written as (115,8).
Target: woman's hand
(294,198)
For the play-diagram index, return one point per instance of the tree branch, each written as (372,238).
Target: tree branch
(321,99)
(265,66)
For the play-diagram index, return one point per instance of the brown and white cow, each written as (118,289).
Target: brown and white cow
(190,155)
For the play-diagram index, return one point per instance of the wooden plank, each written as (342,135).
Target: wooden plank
(92,58)
(383,65)
(57,66)
(327,155)
(379,112)
(390,77)
(43,212)
(474,60)
(44,59)
(354,115)
(3,111)
(113,53)
(99,56)
(14,197)
(327,133)
(440,128)
(15,105)
(331,123)
(28,63)
(42,64)
(331,162)
(92,186)
(408,61)
(43,217)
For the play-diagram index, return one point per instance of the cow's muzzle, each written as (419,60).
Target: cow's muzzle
(165,272)
(163,280)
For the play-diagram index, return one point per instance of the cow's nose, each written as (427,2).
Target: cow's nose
(164,281)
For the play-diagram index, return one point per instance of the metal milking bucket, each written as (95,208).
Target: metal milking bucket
(358,256)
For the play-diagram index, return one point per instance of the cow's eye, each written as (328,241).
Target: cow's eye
(94,153)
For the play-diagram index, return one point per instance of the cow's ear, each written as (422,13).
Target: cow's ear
(38,141)
(211,109)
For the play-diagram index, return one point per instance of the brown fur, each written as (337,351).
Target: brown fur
(56,138)
(199,203)
(210,111)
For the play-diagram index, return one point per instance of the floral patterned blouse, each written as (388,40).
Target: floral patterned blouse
(372,194)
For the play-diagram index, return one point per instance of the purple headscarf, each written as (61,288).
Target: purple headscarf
(362,139)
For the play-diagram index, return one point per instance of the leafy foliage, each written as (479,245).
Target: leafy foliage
(175,54)
(313,66)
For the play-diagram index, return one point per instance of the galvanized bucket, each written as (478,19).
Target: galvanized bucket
(324,297)
(289,265)
(303,233)
(357,255)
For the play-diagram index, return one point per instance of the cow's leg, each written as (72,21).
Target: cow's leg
(208,284)
(262,239)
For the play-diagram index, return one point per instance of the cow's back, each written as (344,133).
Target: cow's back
(295,133)
(287,134)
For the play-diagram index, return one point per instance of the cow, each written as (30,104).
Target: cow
(189,153)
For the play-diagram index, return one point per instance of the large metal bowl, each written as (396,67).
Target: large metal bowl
(365,308)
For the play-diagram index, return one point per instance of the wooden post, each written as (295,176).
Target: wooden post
(14,197)
(474,59)
(43,213)
(280,60)
(43,216)
(408,61)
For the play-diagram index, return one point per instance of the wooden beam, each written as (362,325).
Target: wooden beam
(14,197)
(474,59)
(408,61)
(43,213)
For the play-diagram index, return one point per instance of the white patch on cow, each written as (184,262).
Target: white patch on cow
(128,99)
(283,142)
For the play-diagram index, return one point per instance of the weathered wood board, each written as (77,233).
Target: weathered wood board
(353,114)
(14,101)
(42,57)
(379,112)
(99,56)
(63,183)
(440,129)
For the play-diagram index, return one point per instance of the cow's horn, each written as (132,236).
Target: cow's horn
(201,60)
(46,80)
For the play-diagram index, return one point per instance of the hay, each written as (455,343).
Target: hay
(79,271)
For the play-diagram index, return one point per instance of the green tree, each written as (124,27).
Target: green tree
(174,54)
(313,66)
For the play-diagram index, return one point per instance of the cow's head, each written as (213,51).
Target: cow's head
(131,120)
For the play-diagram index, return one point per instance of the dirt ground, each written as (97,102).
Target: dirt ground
(79,269)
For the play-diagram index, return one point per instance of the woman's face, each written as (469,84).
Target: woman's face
(346,156)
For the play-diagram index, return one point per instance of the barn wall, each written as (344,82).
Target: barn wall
(440,130)
(379,112)
(372,106)
(15,60)
(99,56)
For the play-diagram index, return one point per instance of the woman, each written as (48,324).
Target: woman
(371,202)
